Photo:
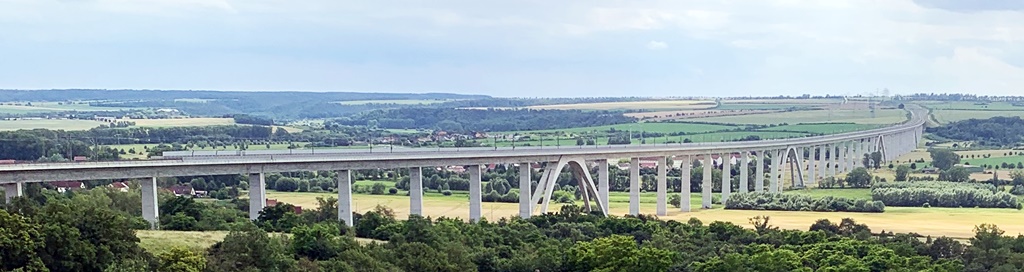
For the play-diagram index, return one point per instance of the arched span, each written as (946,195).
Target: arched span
(578,167)
(794,157)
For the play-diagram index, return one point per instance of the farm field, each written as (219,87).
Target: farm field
(948,116)
(817,101)
(646,127)
(953,222)
(654,105)
(40,107)
(395,102)
(823,128)
(735,106)
(882,116)
(160,241)
(182,122)
(55,124)
(969,105)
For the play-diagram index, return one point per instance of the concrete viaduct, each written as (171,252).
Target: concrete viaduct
(839,153)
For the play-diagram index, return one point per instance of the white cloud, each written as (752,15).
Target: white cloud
(656,45)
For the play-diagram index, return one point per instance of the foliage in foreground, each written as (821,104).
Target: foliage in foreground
(797,202)
(942,194)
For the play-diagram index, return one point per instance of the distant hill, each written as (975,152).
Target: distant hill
(93,94)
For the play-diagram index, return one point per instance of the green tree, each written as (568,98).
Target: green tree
(378,189)
(958,174)
(19,240)
(181,259)
(944,158)
(859,178)
(618,253)
(320,241)
(249,249)
(902,172)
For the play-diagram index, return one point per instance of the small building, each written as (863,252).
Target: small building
(182,190)
(64,186)
(120,186)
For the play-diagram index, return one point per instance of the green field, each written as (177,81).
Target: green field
(883,116)
(41,107)
(823,128)
(161,241)
(970,105)
(55,124)
(733,106)
(395,102)
(847,193)
(947,116)
(995,161)
(642,127)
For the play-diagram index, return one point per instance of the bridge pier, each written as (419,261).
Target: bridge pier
(684,186)
(773,185)
(634,186)
(759,171)
(150,204)
(12,190)
(344,180)
(744,169)
(475,201)
(706,185)
(811,163)
(525,178)
(602,181)
(257,195)
(726,175)
(662,208)
(416,190)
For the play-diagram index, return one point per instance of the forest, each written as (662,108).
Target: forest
(996,131)
(943,194)
(94,231)
(796,202)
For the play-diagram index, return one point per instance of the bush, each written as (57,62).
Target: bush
(446,193)
(926,205)
(1017,190)
(942,194)
(796,202)
(393,191)
(377,189)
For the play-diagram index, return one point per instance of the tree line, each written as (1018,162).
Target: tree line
(479,120)
(798,202)
(942,194)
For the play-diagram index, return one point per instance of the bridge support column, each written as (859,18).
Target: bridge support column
(811,152)
(475,200)
(602,182)
(744,169)
(344,180)
(634,186)
(773,185)
(525,178)
(855,157)
(662,208)
(257,195)
(726,176)
(150,204)
(706,185)
(759,171)
(684,186)
(12,190)
(416,190)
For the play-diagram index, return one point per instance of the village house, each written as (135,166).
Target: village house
(64,186)
(120,186)
(182,190)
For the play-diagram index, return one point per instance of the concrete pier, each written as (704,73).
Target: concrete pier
(12,190)
(811,165)
(257,195)
(416,190)
(706,185)
(344,180)
(773,185)
(662,209)
(634,186)
(150,204)
(684,186)
(475,197)
(726,175)
(602,181)
(525,205)
(744,169)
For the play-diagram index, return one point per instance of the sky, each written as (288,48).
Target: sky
(530,48)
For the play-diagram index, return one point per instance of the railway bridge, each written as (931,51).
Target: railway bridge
(809,159)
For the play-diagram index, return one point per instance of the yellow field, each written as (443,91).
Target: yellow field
(182,122)
(928,221)
(64,124)
(633,105)
(882,116)
(784,101)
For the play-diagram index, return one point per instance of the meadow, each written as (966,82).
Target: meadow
(881,117)
(394,102)
(182,122)
(948,116)
(824,128)
(42,107)
(56,124)
(653,105)
(644,127)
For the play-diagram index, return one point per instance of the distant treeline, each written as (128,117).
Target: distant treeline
(995,131)
(467,120)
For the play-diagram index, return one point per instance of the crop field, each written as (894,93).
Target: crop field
(734,106)
(816,101)
(995,161)
(969,105)
(39,107)
(182,122)
(948,116)
(823,128)
(654,105)
(882,116)
(646,127)
(953,222)
(55,124)
(394,102)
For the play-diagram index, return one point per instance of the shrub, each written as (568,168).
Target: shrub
(377,189)
(926,205)
(796,202)
(446,192)
(392,191)
(942,194)
(1017,190)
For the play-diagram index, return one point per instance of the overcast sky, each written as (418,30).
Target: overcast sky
(517,48)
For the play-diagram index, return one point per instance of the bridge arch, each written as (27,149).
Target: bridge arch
(548,180)
(794,157)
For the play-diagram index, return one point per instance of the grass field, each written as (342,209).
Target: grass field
(947,116)
(645,127)
(951,222)
(816,101)
(160,241)
(395,102)
(40,107)
(969,105)
(882,116)
(653,105)
(55,124)
(733,106)
(823,128)
(182,122)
